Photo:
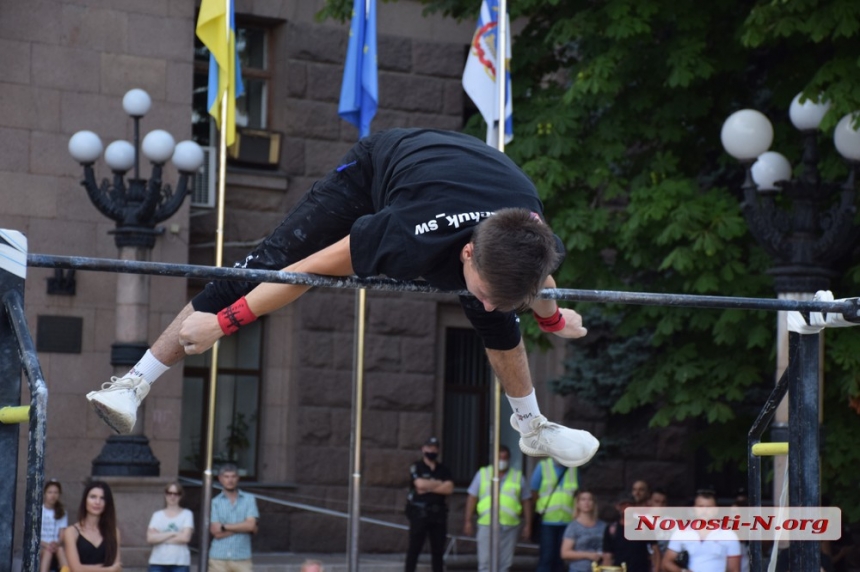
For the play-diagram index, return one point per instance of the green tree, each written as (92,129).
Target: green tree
(618,109)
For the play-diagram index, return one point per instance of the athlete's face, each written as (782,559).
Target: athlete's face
(476,285)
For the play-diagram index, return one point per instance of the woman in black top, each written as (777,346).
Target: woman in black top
(92,543)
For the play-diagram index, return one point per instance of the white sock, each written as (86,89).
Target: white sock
(525,408)
(149,368)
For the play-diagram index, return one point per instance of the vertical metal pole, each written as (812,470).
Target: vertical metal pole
(754,488)
(136,148)
(206,509)
(11,280)
(14,303)
(494,491)
(803,435)
(502,70)
(355,439)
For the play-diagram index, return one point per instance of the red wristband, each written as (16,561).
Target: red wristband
(235,316)
(553,323)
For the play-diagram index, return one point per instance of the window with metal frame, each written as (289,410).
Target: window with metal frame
(252,109)
(237,404)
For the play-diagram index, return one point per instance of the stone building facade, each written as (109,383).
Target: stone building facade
(64,67)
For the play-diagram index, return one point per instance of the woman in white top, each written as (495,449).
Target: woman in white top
(54,520)
(170,532)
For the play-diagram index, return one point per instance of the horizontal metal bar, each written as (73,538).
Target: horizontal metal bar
(769,449)
(848,308)
(15,414)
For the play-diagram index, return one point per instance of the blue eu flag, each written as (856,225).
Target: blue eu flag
(359,94)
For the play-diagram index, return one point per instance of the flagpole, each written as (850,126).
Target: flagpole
(353,542)
(206,509)
(502,72)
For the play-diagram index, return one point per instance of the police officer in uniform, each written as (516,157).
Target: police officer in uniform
(425,506)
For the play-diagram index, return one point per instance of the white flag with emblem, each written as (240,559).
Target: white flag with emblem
(479,77)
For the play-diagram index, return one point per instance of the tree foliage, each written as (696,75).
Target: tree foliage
(618,109)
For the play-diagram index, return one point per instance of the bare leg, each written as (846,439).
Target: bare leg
(117,404)
(61,556)
(167,348)
(512,369)
(45,560)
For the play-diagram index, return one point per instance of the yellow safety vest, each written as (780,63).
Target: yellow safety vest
(556,505)
(510,506)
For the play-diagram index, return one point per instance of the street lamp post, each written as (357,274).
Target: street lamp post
(137,206)
(806,225)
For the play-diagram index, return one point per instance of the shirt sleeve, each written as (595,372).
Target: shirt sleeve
(444,473)
(675,544)
(733,547)
(475,485)
(187,519)
(153,521)
(536,478)
(252,509)
(378,246)
(570,531)
(498,330)
(215,516)
(525,492)
(63,522)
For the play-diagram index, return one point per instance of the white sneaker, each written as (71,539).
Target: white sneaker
(117,402)
(570,447)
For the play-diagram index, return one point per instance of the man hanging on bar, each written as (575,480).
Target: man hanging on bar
(409,204)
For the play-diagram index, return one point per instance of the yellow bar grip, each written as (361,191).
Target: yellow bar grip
(19,414)
(769,449)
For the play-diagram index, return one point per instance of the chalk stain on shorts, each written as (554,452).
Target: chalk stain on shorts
(300,234)
(346,166)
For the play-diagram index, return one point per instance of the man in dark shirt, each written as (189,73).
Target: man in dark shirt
(617,549)
(426,508)
(409,204)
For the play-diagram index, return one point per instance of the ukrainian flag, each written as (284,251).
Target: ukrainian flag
(224,72)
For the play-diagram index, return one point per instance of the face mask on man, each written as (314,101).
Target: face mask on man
(431,455)
(503,465)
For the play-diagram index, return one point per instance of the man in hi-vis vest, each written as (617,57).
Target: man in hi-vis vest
(515,509)
(555,486)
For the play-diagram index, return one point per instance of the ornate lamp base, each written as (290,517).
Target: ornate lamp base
(126,456)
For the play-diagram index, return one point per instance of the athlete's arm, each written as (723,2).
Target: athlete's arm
(546,308)
(201,330)
(334,260)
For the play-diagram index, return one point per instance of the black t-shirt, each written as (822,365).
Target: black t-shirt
(633,552)
(420,470)
(430,189)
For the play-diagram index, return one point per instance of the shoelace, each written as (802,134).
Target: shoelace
(119,383)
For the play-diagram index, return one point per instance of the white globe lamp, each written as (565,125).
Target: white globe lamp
(85,147)
(746,134)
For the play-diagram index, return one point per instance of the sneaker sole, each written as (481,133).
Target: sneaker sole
(540,454)
(110,418)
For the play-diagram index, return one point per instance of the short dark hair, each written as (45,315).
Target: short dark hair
(228,468)
(708,494)
(514,251)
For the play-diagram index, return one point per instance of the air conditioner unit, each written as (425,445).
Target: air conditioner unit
(256,148)
(206,181)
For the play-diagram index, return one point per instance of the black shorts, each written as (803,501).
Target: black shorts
(324,215)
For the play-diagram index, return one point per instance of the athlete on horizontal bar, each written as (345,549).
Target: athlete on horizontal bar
(408,204)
